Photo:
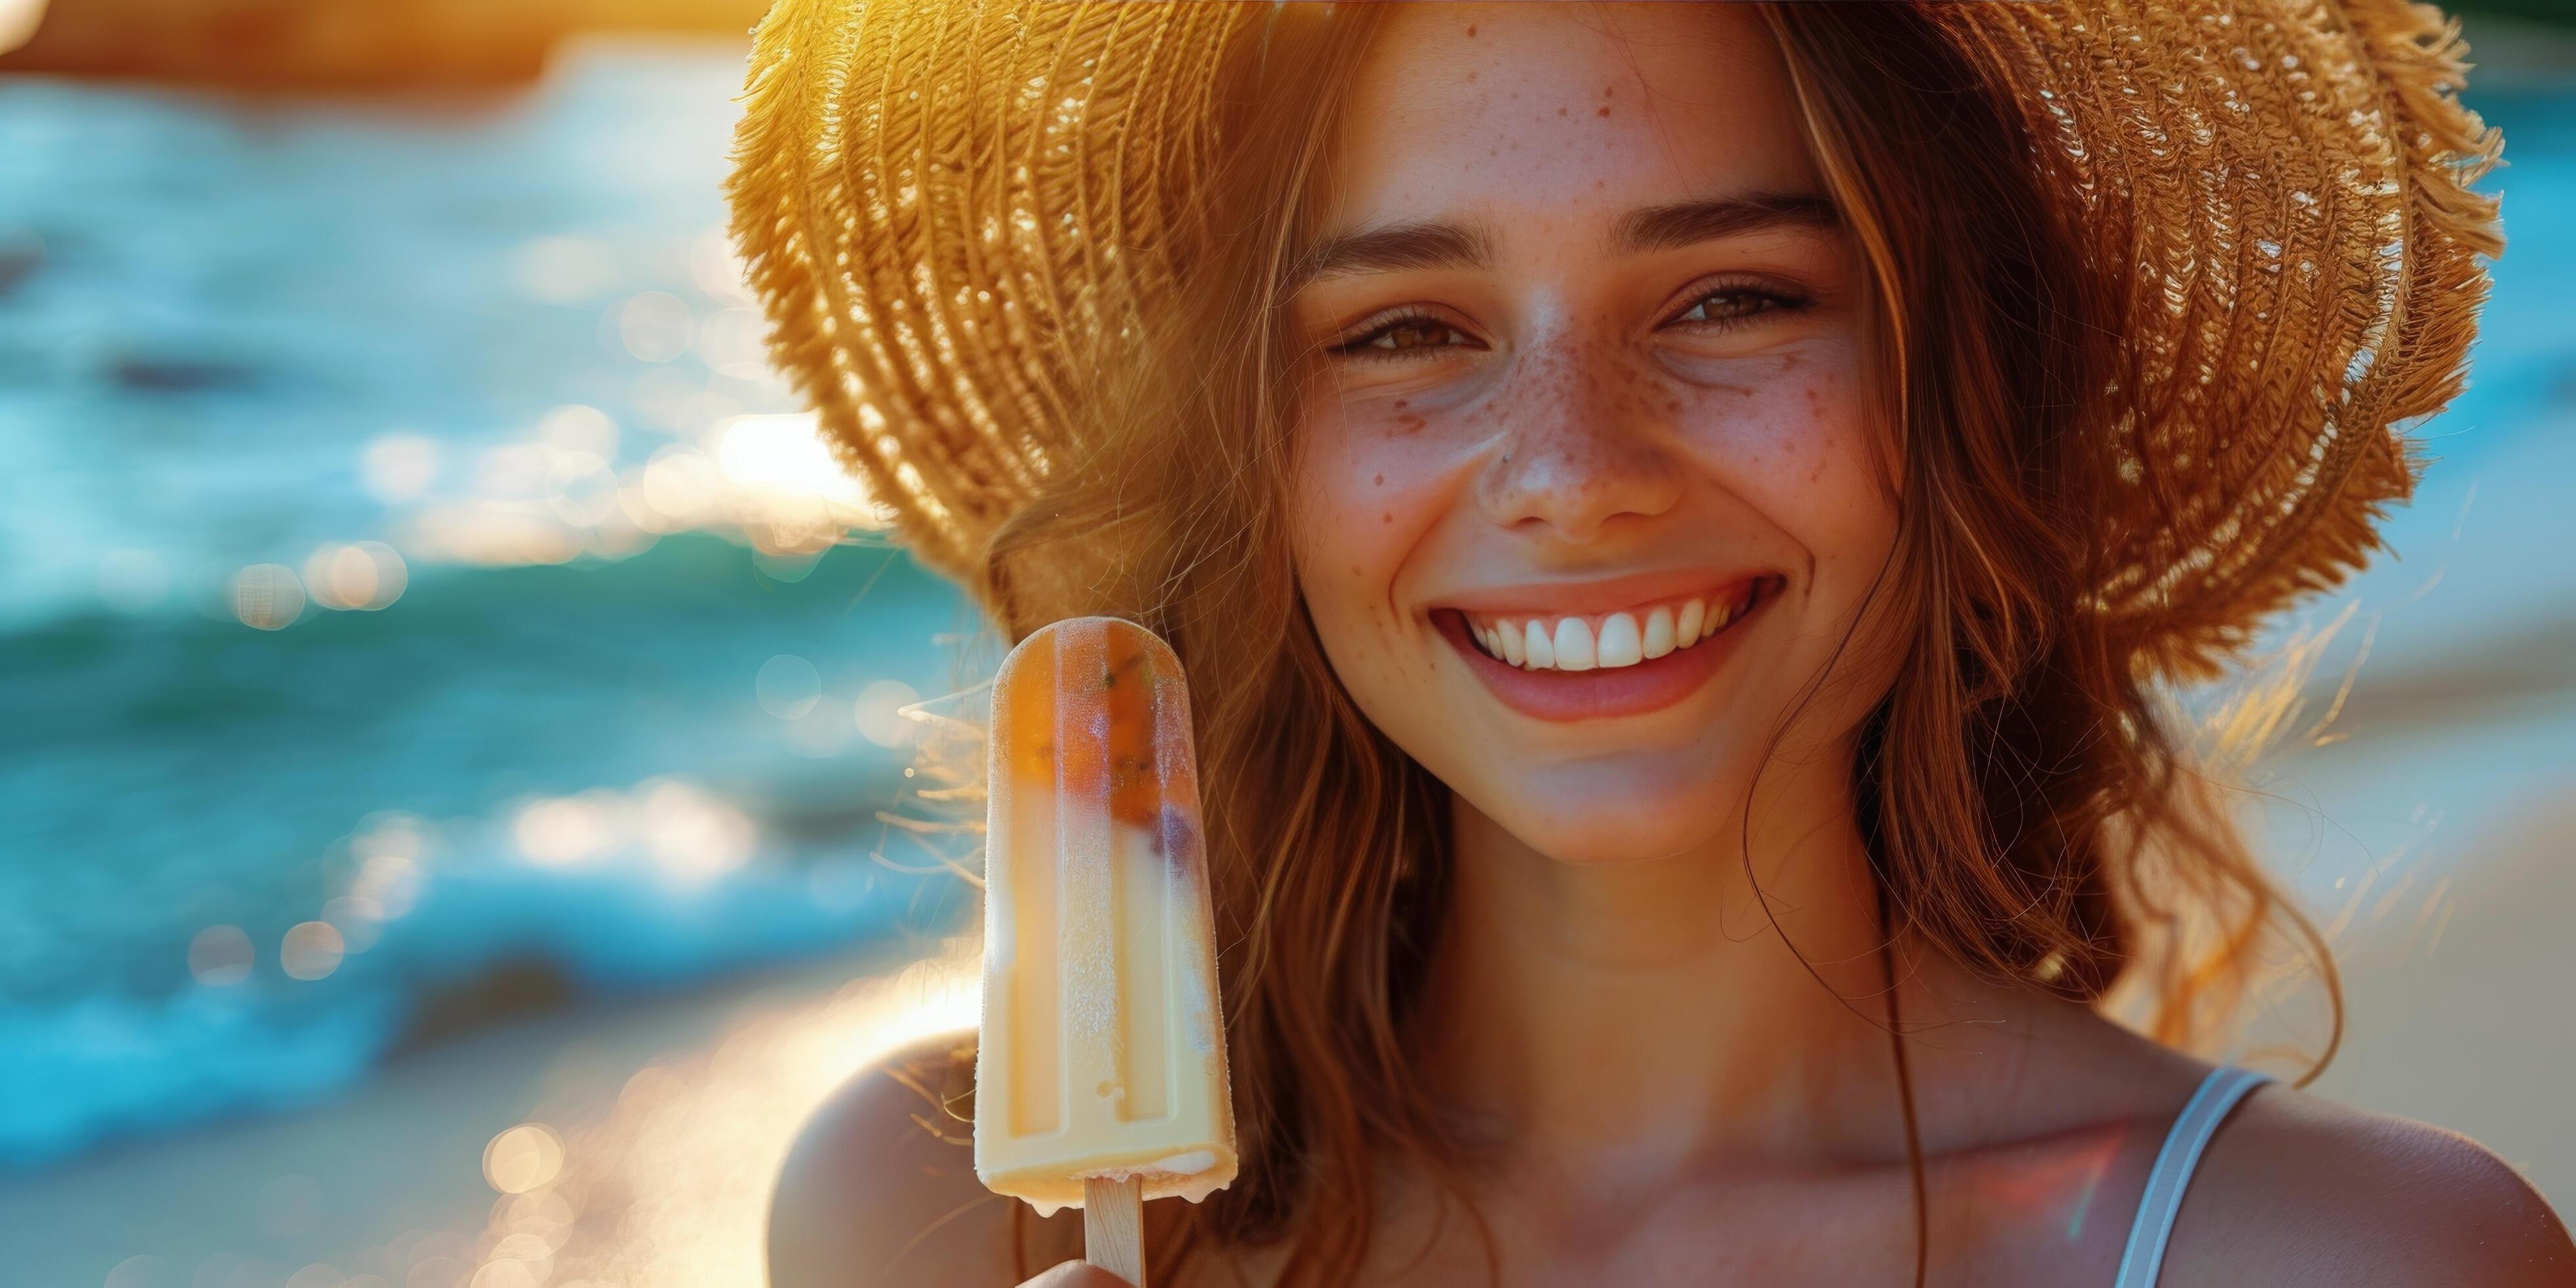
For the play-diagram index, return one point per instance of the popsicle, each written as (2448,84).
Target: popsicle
(1100,1077)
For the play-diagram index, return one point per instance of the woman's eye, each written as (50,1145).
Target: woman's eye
(1418,335)
(1403,336)
(1734,304)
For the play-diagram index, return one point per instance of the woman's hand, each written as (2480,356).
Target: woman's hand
(1077,1274)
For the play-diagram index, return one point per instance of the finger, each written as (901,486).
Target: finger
(1077,1274)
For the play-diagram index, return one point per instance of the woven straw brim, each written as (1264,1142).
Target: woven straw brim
(953,209)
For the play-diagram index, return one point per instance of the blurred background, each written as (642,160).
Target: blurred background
(458,807)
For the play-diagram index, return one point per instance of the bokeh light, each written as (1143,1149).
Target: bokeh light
(795,493)
(513,471)
(680,489)
(561,831)
(311,950)
(365,576)
(267,596)
(392,834)
(358,920)
(735,342)
(788,686)
(220,955)
(581,489)
(500,1271)
(493,534)
(579,427)
(881,715)
(399,468)
(717,269)
(523,1158)
(655,326)
(389,848)
(691,834)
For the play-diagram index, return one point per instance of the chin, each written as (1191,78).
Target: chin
(1617,812)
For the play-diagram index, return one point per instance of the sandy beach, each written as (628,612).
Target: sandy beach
(640,1138)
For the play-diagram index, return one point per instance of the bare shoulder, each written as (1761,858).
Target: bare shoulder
(2299,1190)
(880,1185)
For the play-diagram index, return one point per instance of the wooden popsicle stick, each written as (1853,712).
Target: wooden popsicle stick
(1113,1227)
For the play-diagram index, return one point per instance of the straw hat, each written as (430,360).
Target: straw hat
(941,201)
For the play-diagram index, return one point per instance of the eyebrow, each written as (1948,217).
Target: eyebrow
(1436,244)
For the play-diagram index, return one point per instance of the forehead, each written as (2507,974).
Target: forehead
(1528,114)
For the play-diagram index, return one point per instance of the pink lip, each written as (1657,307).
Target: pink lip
(1566,696)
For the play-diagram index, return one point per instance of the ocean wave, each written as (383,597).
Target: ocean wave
(245,865)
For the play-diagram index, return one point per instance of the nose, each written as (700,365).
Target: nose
(1582,450)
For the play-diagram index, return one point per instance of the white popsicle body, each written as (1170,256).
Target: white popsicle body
(1103,1050)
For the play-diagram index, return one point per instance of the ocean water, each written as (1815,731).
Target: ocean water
(440,360)
(412,604)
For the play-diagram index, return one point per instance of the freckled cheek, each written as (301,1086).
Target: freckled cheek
(1363,504)
(1801,451)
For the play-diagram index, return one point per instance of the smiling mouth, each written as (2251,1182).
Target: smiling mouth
(1612,641)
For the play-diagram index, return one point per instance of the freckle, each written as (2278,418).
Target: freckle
(1401,403)
(1471,31)
(1380,481)
(1605,111)
(1560,111)
(1389,516)
(1608,90)
(1471,78)
(1789,362)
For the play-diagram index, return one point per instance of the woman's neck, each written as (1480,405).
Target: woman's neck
(1650,1014)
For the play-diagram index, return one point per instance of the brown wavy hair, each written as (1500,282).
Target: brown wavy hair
(2025,792)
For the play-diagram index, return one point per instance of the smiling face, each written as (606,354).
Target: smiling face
(1587,493)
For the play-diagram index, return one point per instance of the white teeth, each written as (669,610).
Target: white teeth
(1573,645)
(1622,639)
(1659,632)
(1619,643)
(1542,650)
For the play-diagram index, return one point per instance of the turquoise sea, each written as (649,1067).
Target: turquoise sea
(570,758)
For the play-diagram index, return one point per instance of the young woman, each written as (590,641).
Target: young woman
(1677,517)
